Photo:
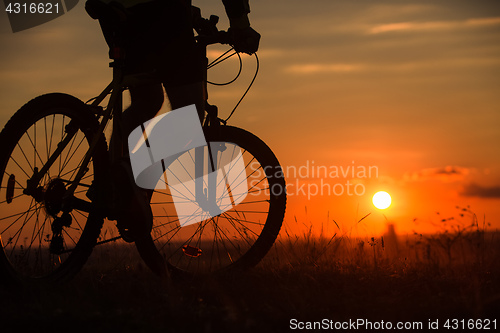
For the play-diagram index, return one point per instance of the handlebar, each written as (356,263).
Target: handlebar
(220,37)
(207,30)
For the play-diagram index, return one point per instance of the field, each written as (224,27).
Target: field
(409,279)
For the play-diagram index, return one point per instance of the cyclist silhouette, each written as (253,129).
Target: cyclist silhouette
(219,194)
(156,37)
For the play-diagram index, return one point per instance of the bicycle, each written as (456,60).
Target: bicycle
(55,192)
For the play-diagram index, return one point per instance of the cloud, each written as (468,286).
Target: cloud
(435,25)
(323,68)
(475,190)
(394,67)
(410,26)
(485,21)
(445,174)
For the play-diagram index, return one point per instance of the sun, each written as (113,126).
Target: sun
(381,200)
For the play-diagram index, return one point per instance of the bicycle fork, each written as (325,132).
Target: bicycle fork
(206,196)
(206,191)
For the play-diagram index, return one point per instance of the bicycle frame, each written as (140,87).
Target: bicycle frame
(113,110)
(74,182)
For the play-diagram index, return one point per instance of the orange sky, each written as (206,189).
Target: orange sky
(409,87)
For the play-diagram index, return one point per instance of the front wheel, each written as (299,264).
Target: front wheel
(228,221)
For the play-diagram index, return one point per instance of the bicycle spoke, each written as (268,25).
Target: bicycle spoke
(177,230)
(12,158)
(229,240)
(76,220)
(15,197)
(26,223)
(68,235)
(35,150)
(224,243)
(183,184)
(79,164)
(51,133)
(199,230)
(70,157)
(231,221)
(240,195)
(33,236)
(25,157)
(18,232)
(192,162)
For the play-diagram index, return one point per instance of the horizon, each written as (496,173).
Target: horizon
(409,88)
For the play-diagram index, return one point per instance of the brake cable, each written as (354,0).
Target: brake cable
(219,60)
(224,57)
(249,86)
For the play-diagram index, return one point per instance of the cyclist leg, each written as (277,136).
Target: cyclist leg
(187,94)
(134,216)
(146,101)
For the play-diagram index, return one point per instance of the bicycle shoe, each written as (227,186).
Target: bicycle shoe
(133,212)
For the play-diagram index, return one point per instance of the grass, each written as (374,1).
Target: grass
(451,274)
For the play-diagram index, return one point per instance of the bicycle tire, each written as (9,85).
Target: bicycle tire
(159,253)
(26,145)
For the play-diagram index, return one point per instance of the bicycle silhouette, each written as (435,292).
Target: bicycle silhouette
(55,170)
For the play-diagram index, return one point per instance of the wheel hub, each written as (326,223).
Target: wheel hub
(53,196)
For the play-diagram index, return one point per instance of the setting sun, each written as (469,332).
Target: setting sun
(381,200)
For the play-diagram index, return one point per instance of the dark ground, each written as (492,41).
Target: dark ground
(306,279)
